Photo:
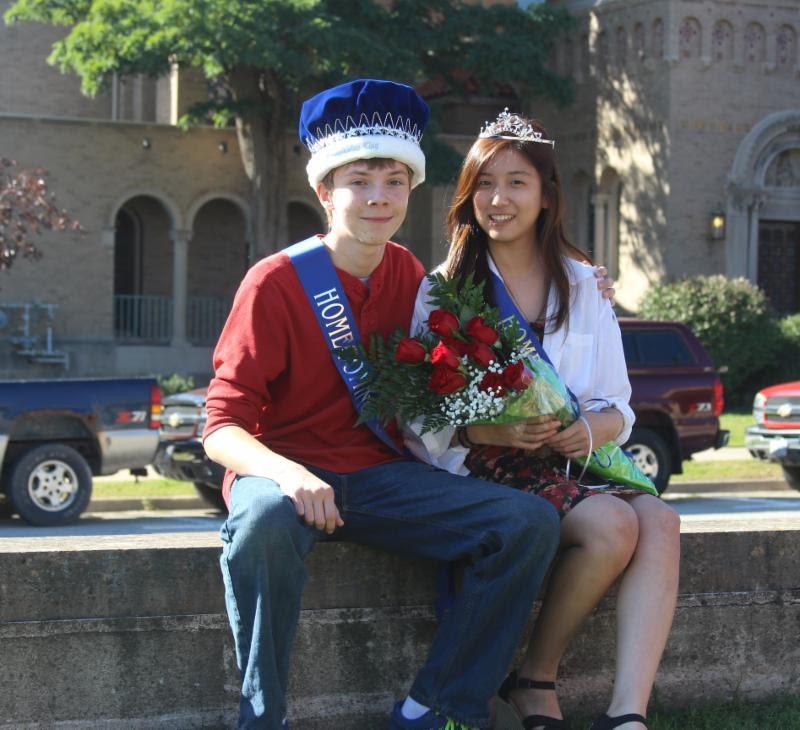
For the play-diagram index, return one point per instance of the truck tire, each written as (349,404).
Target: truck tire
(792,476)
(212,496)
(651,455)
(50,485)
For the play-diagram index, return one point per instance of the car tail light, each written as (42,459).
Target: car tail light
(719,400)
(155,406)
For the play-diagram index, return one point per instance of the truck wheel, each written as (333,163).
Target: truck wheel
(50,485)
(792,476)
(212,495)
(651,455)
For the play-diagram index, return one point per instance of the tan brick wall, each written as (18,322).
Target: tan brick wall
(29,85)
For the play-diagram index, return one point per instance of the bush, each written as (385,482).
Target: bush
(734,321)
(174,383)
(787,365)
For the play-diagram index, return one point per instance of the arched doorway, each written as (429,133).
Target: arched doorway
(763,210)
(143,271)
(304,221)
(218,259)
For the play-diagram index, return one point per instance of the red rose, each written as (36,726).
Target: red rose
(410,350)
(457,346)
(481,354)
(442,322)
(516,376)
(494,381)
(444,381)
(443,356)
(478,330)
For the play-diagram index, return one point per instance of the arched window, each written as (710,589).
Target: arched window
(755,44)
(658,38)
(690,38)
(787,48)
(622,46)
(584,55)
(722,41)
(638,41)
(602,51)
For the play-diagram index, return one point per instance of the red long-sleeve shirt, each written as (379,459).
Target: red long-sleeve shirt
(274,375)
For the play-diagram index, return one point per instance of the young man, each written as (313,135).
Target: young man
(281,415)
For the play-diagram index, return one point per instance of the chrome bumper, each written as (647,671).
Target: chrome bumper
(770,445)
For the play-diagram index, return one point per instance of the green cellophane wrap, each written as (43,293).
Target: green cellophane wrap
(548,395)
(545,395)
(611,463)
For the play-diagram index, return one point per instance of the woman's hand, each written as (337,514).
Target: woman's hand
(604,283)
(529,435)
(573,441)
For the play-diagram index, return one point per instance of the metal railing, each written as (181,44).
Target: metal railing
(143,318)
(147,319)
(205,317)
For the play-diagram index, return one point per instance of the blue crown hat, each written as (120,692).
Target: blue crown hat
(361,120)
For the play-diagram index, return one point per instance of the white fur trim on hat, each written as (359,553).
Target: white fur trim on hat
(350,149)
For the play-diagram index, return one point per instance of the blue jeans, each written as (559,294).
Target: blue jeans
(507,538)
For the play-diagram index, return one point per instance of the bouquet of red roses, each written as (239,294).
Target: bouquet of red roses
(471,367)
(468,368)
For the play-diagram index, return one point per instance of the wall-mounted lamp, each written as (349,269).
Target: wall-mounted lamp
(146,143)
(223,147)
(716,224)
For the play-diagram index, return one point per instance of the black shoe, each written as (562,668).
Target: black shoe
(514,681)
(604,722)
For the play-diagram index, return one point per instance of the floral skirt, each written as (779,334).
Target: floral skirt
(542,475)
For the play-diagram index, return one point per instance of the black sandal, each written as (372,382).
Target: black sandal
(514,681)
(604,722)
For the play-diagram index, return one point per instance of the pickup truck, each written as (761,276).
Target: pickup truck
(776,433)
(55,435)
(677,398)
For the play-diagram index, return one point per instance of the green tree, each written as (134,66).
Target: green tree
(266,55)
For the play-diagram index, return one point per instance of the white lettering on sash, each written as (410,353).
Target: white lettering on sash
(528,349)
(338,332)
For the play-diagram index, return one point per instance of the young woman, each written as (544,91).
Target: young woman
(506,219)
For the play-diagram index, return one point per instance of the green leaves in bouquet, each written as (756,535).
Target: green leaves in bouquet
(396,389)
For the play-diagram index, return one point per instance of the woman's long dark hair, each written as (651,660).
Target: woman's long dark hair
(468,242)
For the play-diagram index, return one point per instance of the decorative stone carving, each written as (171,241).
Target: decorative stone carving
(784,172)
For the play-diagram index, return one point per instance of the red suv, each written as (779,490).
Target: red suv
(677,398)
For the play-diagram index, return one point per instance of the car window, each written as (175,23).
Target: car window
(656,347)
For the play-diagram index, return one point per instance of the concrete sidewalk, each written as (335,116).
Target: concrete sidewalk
(726,453)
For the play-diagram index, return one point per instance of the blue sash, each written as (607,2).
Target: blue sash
(326,296)
(508,309)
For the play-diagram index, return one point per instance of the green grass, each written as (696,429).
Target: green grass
(736,422)
(143,488)
(780,713)
(716,471)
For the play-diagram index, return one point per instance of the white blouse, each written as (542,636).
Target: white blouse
(586,352)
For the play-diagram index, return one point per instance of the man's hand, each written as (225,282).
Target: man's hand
(313,499)
(529,434)
(604,283)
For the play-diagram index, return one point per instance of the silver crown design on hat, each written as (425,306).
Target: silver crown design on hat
(385,126)
(512,126)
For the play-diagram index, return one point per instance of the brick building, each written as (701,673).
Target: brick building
(683,108)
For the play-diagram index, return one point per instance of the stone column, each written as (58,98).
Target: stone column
(600,201)
(180,275)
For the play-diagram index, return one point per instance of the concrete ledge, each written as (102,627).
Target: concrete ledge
(131,632)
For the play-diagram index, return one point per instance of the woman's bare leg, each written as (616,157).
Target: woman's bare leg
(645,606)
(598,538)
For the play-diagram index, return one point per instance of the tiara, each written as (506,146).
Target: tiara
(512,126)
(381,126)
